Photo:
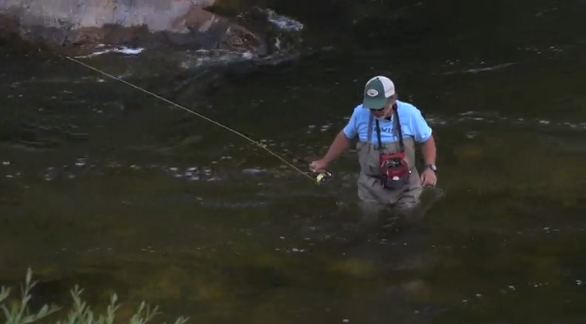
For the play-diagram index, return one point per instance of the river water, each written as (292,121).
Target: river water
(111,189)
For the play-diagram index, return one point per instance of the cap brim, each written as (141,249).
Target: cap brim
(374,103)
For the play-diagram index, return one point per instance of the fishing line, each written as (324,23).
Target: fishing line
(318,179)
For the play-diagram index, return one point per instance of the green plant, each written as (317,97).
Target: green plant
(80,313)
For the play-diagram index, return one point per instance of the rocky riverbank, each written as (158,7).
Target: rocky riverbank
(67,24)
(179,40)
(185,45)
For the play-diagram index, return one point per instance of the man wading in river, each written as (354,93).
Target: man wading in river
(387,130)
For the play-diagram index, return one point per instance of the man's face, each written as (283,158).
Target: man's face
(386,111)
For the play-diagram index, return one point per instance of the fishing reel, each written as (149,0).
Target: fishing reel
(322,176)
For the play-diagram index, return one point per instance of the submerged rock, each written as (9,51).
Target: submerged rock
(147,23)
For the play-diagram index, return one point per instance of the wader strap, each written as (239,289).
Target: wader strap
(378,137)
(399,130)
(398,127)
(369,135)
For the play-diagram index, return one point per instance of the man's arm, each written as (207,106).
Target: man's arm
(424,136)
(340,143)
(429,151)
(342,140)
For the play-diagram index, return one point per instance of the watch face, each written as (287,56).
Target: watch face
(433,167)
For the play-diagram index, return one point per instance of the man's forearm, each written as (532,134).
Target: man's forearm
(429,151)
(340,143)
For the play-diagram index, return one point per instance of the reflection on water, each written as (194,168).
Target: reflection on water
(113,190)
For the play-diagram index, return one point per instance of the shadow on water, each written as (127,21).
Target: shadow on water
(108,188)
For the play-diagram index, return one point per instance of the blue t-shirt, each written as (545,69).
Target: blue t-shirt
(412,124)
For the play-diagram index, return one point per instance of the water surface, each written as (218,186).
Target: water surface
(114,190)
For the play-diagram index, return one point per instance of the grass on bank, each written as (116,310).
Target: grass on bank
(80,313)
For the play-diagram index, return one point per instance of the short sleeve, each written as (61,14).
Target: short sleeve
(421,130)
(350,130)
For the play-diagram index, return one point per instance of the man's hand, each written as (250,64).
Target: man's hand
(428,177)
(318,166)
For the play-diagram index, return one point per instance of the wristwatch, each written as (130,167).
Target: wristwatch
(432,167)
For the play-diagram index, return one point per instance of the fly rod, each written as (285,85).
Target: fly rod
(320,177)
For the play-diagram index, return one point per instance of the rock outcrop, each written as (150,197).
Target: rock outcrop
(147,23)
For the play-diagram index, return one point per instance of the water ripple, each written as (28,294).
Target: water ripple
(85,166)
(481,117)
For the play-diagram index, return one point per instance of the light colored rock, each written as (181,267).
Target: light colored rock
(151,22)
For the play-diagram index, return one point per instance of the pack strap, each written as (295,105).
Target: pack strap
(378,131)
(369,135)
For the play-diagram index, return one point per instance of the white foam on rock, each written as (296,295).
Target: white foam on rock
(119,49)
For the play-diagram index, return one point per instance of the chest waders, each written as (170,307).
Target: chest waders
(371,179)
